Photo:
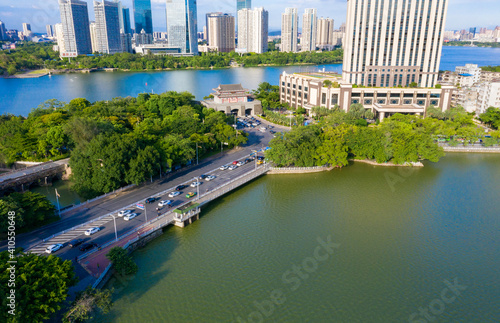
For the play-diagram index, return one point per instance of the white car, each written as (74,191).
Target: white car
(165,202)
(130,216)
(91,231)
(233,167)
(124,212)
(210,177)
(224,167)
(194,184)
(53,248)
(174,194)
(240,163)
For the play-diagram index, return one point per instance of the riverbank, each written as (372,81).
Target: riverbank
(387,164)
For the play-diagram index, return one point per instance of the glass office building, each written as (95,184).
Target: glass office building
(182,26)
(142,16)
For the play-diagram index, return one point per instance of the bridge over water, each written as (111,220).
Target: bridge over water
(42,174)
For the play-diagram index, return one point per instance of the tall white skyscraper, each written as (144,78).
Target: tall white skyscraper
(75,25)
(107,27)
(3,32)
(50,30)
(59,34)
(309,30)
(93,37)
(253,30)
(289,30)
(182,29)
(220,32)
(390,43)
(27,29)
(324,34)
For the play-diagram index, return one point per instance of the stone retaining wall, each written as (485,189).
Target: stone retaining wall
(298,170)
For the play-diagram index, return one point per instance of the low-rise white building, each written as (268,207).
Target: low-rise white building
(308,90)
(489,95)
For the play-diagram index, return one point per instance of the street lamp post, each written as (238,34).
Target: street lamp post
(114,220)
(197,188)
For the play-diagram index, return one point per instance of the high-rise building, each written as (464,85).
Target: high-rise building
(289,30)
(242,4)
(182,27)
(205,33)
(126,40)
(309,30)
(253,30)
(93,37)
(107,27)
(220,32)
(59,33)
(208,15)
(324,38)
(143,17)
(27,29)
(50,30)
(126,21)
(3,32)
(75,24)
(390,43)
(143,38)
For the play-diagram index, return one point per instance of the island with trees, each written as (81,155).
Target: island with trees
(33,56)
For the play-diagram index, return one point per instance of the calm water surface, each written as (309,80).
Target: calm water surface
(401,234)
(19,96)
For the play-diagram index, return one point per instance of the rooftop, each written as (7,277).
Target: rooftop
(229,88)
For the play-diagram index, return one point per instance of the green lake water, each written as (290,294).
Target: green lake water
(396,240)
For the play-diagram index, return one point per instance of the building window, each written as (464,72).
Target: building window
(306,88)
(368,101)
(305,96)
(293,93)
(323,98)
(300,94)
(283,89)
(434,102)
(283,83)
(381,101)
(394,101)
(300,87)
(335,99)
(407,101)
(421,102)
(294,86)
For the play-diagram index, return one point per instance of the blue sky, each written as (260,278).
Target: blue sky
(462,14)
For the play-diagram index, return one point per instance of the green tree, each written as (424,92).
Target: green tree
(333,149)
(87,303)
(122,261)
(41,285)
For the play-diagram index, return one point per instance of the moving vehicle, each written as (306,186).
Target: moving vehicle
(247,160)
(190,194)
(174,194)
(75,243)
(150,200)
(203,176)
(93,230)
(180,187)
(53,248)
(210,177)
(195,184)
(235,162)
(240,163)
(130,216)
(124,212)
(260,162)
(224,167)
(88,246)
(233,167)
(165,203)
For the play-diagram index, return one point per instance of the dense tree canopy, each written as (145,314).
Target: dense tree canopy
(32,210)
(41,285)
(117,142)
(122,262)
(491,117)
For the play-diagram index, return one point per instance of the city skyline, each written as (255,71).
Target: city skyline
(462,14)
